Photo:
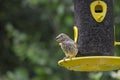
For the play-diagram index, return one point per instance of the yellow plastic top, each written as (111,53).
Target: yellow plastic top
(92,63)
(98,10)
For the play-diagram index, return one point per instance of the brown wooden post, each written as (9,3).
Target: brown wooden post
(94,38)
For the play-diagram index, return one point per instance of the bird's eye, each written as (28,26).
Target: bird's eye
(57,38)
(61,36)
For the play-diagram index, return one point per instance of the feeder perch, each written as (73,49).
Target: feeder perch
(98,10)
(116,43)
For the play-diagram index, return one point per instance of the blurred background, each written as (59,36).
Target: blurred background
(28,50)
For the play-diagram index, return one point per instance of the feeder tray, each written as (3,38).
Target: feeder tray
(91,63)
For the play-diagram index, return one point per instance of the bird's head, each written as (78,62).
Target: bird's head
(62,37)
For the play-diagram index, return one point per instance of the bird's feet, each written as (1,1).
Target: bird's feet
(70,58)
(64,59)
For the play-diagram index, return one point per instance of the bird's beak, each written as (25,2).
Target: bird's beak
(60,44)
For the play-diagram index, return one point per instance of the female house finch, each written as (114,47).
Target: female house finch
(68,46)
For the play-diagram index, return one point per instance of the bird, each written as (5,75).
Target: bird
(68,46)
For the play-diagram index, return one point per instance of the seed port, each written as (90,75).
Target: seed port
(98,9)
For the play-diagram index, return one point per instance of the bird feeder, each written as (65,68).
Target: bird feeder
(94,34)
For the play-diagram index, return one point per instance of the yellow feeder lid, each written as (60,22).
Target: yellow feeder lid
(91,63)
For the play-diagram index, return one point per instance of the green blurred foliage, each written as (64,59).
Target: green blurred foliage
(27,40)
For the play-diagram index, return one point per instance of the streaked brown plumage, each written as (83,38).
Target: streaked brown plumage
(68,46)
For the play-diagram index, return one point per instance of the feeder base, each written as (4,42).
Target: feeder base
(91,63)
